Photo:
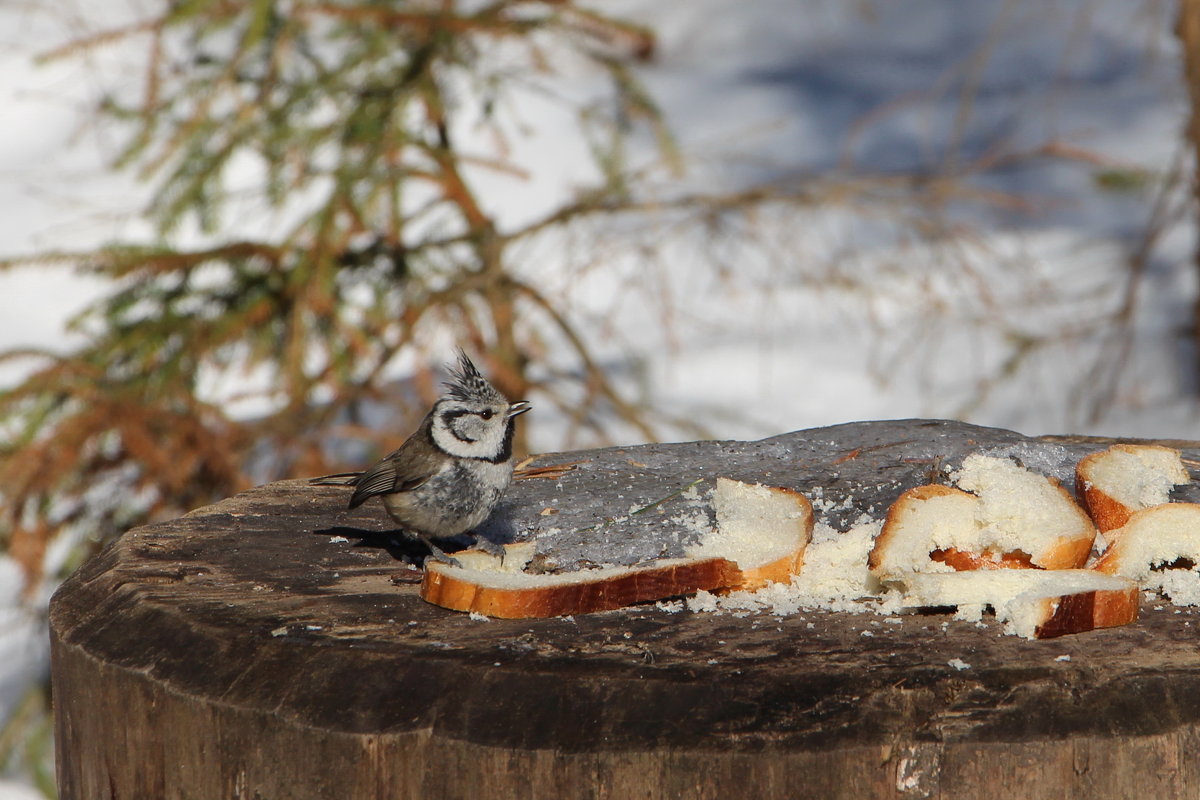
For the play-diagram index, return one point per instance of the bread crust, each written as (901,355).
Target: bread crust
(564,594)
(778,571)
(1108,513)
(1070,553)
(1086,611)
(963,560)
(1073,552)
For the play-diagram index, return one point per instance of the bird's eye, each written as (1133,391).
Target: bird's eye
(487,414)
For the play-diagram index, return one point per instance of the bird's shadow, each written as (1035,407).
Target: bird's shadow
(409,549)
(398,544)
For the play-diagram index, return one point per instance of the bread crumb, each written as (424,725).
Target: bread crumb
(705,601)
(1180,586)
(1063,658)
(1010,501)
(970,612)
(958,664)
(834,577)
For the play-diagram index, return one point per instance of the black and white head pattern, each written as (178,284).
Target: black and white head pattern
(472,419)
(468,385)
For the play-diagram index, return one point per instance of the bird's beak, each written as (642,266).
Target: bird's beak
(518,408)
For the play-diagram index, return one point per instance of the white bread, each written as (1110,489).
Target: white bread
(1013,542)
(1112,484)
(760,537)
(487,587)
(1010,518)
(1026,512)
(1159,548)
(763,529)
(834,577)
(923,521)
(1033,603)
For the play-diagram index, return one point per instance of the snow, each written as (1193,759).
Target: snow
(13,790)
(23,642)
(825,313)
(822,313)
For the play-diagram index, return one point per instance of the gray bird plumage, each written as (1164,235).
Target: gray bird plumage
(449,474)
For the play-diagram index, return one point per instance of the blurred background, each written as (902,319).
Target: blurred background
(238,241)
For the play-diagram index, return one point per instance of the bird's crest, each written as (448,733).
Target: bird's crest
(468,384)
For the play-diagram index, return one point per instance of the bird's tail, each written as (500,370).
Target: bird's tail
(340,479)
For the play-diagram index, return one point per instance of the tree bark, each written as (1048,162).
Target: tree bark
(271,646)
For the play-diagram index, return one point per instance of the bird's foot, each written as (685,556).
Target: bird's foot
(488,546)
(440,555)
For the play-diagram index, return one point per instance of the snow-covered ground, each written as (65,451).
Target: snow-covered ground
(817,315)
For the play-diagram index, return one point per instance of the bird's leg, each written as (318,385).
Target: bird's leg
(488,546)
(438,554)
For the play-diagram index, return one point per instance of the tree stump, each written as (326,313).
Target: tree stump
(274,646)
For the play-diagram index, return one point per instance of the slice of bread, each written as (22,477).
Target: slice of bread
(1022,511)
(1159,548)
(922,521)
(760,536)
(1112,484)
(1010,517)
(1033,603)
(763,529)
(496,587)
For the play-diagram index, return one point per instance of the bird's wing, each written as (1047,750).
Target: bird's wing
(401,471)
(340,479)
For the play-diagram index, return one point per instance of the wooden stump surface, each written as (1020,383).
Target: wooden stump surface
(274,646)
